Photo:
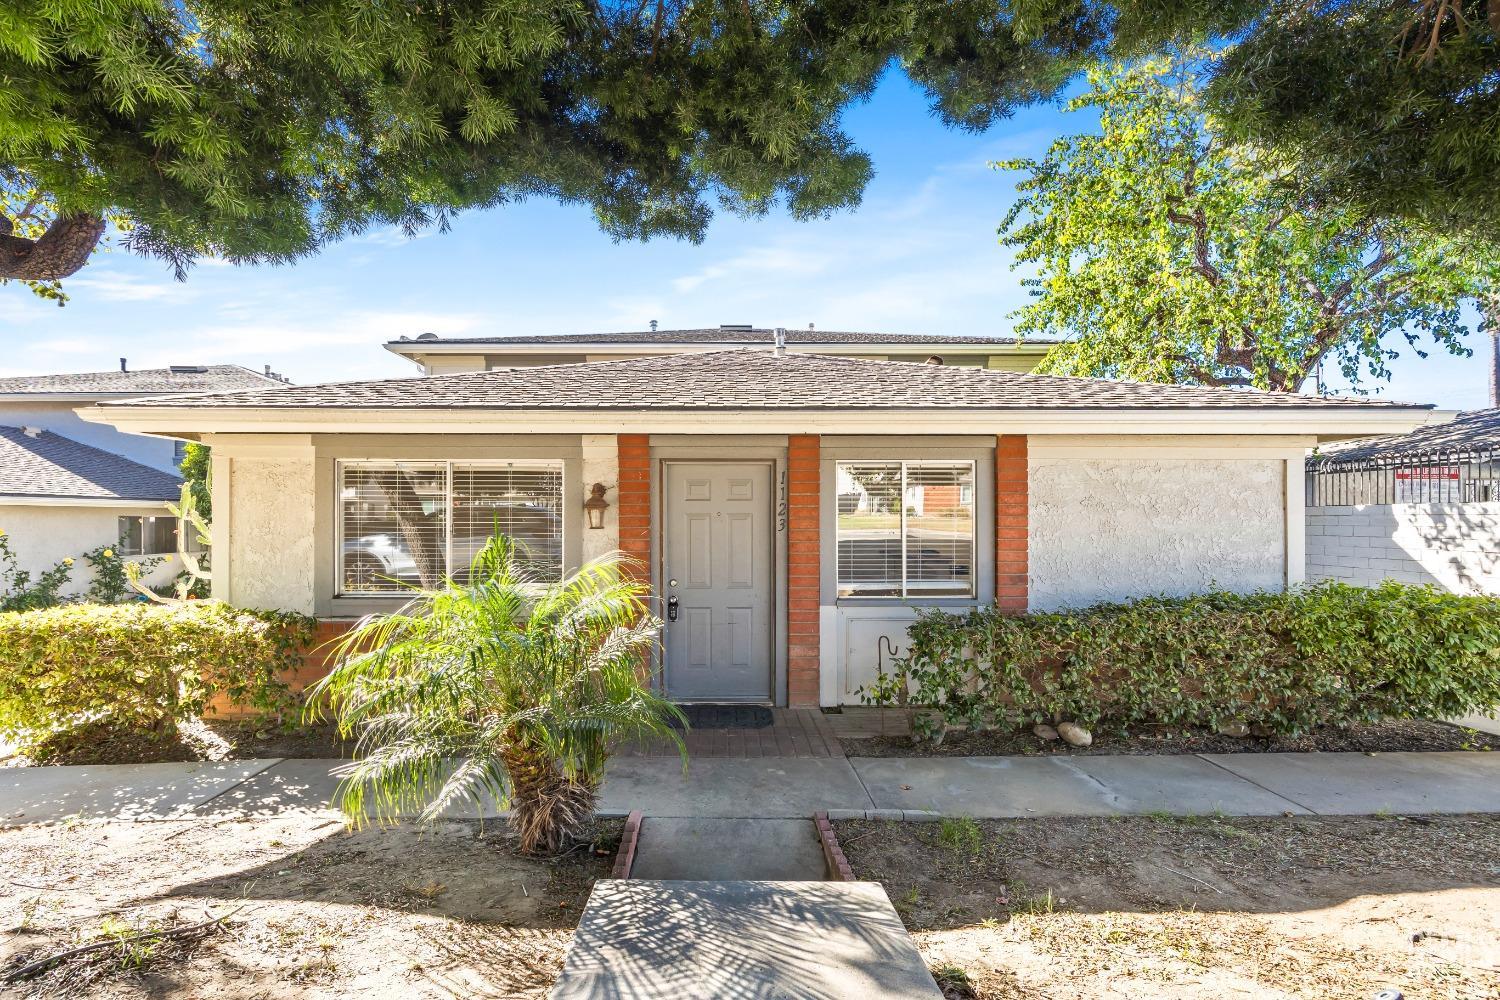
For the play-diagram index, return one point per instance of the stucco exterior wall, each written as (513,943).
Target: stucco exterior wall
(601,464)
(60,418)
(1104,529)
(43,535)
(271,533)
(1454,546)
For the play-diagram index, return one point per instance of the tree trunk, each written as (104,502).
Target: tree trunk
(548,812)
(429,556)
(58,253)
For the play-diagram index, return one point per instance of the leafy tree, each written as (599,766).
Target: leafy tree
(1170,254)
(257,131)
(1392,105)
(503,687)
(197,473)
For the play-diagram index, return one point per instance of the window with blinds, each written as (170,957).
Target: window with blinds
(412,523)
(905,529)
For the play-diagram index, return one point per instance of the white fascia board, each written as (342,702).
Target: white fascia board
(1325,424)
(19,501)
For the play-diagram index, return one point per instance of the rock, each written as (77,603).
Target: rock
(1239,729)
(1074,735)
(1262,732)
(1042,731)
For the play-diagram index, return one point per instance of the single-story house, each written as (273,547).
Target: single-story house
(68,485)
(790,507)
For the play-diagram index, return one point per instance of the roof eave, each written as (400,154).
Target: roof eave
(413,349)
(1326,423)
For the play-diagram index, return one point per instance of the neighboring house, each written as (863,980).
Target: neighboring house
(68,485)
(790,507)
(1422,507)
(444,356)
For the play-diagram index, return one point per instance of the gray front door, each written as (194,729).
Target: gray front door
(717,564)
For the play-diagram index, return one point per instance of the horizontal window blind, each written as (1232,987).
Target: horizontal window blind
(524,504)
(905,529)
(939,529)
(411,523)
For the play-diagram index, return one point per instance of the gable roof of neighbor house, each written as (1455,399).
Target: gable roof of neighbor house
(1474,430)
(751,379)
(721,335)
(154,381)
(44,464)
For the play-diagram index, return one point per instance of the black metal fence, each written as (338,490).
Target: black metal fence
(1448,475)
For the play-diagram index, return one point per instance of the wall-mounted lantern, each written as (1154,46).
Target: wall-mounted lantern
(596,505)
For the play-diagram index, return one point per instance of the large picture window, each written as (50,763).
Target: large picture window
(905,529)
(412,523)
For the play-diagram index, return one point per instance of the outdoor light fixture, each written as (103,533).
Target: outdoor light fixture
(596,505)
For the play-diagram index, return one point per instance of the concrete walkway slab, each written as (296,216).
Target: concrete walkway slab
(688,940)
(117,791)
(987,787)
(766,788)
(1183,786)
(1351,784)
(305,785)
(729,850)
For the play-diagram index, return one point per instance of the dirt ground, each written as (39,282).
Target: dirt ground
(314,911)
(1197,907)
(1380,737)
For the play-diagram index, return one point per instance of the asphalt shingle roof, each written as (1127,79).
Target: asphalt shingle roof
(50,465)
(751,379)
(726,335)
(188,378)
(1476,429)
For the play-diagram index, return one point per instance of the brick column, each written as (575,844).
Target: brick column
(1011,524)
(633,499)
(803,581)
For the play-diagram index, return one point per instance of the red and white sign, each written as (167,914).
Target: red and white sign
(1426,485)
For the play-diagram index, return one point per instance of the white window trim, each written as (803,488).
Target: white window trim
(554,465)
(905,594)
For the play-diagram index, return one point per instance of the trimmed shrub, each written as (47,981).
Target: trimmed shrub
(1323,655)
(141,667)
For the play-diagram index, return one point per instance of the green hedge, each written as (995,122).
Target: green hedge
(1329,654)
(141,667)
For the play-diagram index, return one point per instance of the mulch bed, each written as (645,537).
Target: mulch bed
(1381,737)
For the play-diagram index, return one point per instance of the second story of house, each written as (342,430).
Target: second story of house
(447,355)
(48,403)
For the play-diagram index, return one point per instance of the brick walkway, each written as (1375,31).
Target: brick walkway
(796,732)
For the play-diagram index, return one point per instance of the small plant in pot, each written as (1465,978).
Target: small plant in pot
(503,686)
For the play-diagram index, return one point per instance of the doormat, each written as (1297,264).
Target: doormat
(726,716)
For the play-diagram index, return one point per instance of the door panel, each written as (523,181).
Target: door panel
(717,547)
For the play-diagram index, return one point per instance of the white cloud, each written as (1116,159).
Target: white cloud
(113,286)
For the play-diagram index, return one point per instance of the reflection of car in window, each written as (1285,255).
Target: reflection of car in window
(381,561)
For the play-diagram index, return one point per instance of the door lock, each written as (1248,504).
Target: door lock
(671,609)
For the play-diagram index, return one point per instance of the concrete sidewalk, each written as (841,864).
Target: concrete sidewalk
(786,788)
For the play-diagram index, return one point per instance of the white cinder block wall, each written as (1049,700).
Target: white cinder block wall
(1455,546)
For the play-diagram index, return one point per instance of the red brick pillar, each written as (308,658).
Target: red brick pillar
(633,499)
(1011,524)
(803,583)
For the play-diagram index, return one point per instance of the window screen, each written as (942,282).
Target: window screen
(411,523)
(906,529)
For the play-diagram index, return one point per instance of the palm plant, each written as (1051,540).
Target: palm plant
(500,686)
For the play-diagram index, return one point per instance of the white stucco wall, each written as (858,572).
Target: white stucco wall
(271,533)
(1454,546)
(601,464)
(61,418)
(1104,529)
(41,536)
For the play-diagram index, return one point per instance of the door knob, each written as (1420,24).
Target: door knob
(671,609)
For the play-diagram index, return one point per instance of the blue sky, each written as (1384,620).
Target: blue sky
(919,255)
